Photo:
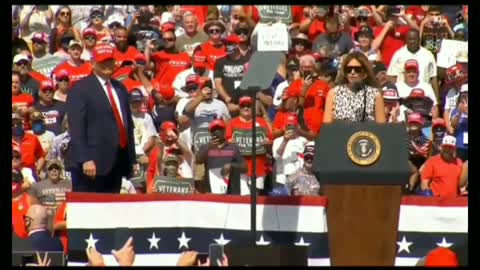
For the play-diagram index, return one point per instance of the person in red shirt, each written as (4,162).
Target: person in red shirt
(122,51)
(289,106)
(417,13)
(239,131)
(75,66)
(22,103)
(314,24)
(390,37)
(20,205)
(168,62)
(441,173)
(214,48)
(33,156)
(199,11)
(30,80)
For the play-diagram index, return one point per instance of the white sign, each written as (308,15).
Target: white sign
(447,56)
(272,38)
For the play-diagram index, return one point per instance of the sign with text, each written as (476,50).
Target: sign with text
(270,13)
(172,185)
(449,51)
(201,136)
(243,138)
(272,37)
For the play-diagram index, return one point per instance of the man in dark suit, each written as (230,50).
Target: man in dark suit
(101,128)
(38,235)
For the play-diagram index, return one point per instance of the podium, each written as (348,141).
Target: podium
(362,168)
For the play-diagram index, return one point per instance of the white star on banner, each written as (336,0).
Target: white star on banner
(404,245)
(153,241)
(183,241)
(91,241)
(222,241)
(444,243)
(262,242)
(302,243)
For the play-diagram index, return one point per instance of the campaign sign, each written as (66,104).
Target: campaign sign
(172,185)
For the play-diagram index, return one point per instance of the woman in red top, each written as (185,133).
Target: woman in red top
(214,48)
(239,132)
(63,24)
(20,205)
(22,103)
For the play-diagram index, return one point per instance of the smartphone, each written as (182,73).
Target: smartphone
(120,237)
(202,257)
(307,74)
(215,253)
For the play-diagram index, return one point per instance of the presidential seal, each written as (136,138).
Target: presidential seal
(364,148)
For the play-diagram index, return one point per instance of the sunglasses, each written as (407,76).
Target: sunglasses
(96,16)
(48,90)
(245,106)
(214,31)
(38,41)
(356,69)
(141,63)
(242,31)
(308,159)
(63,79)
(22,63)
(65,13)
(411,70)
(54,167)
(90,38)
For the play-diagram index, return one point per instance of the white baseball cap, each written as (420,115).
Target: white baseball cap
(20,57)
(449,141)
(464,88)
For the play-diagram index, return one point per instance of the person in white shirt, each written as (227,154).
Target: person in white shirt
(410,82)
(144,132)
(292,74)
(199,67)
(427,66)
(287,151)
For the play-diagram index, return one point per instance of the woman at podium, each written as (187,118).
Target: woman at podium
(356,97)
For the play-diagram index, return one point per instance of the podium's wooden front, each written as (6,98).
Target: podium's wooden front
(362,224)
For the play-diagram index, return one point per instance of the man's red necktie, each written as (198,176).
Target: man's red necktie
(121,129)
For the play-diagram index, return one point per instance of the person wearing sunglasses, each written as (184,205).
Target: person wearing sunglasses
(89,41)
(63,22)
(239,131)
(192,37)
(214,48)
(53,110)
(356,97)
(62,84)
(243,32)
(21,202)
(43,62)
(29,79)
(97,19)
(304,182)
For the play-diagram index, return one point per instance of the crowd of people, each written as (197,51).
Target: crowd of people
(180,67)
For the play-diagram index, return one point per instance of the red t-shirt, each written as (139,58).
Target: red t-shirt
(37,76)
(418,13)
(169,65)
(75,73)
(31,150)
(316,28)
(261,160)
(279,121)
(297,14)
(393,41)
(200,11)
(129,55)
(444,176)
(24,100)
(19,209)
(213,53)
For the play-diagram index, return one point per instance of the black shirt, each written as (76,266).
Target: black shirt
(231,72)
(53,115)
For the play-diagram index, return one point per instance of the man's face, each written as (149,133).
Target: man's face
(15,84)
(448,152)
(389,105)
(307,67)
(16,160)
(54,172)
(291,103)
(414,129)
(332,29)
(22,66)
(411,76)
(105,68)
(214,32)
(169,38)
(136,107)
(63,84)
(246,111)
(171,168)
(190,24)
(39,46)
(47,94)
(121,39)
(75,52)
(413,41)
(218,133)
(308,161)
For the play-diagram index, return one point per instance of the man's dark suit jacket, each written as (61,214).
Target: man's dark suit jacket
(92,126)
(43,241)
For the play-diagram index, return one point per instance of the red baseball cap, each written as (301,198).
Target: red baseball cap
(438,122)
(61,74)
(192,79)
(245,100)
(168,26)
(168,125)
(417,93)
(46,85)
(390,94)
(233,39)
(291,119)
(441,257)
(416,118)
(89,32)
(411,64)
(293,91)
(40,36)
(217,123)
(103,52)
(167,92)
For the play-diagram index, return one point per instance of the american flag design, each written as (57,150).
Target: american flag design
(163,226)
